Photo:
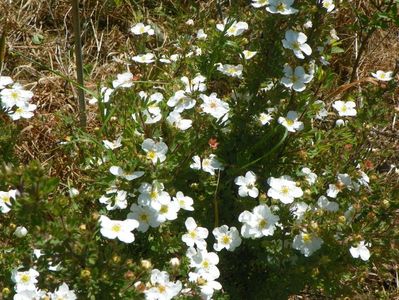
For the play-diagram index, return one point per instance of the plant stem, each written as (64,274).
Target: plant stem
(79,63)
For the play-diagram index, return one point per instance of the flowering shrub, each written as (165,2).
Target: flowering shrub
(223,167)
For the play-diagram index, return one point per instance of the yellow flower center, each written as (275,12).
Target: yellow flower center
(5,199)
(153,195)
(205,264)
(213,104)
(290,122)
(226,240)
(25,278)
(143,217)
(193,234)
(262,223)
(295,45)
(231,70)
(161,289)
(164,209)
(116,228)
(285,190)
(307,238)
(344,108)
(14,95)
(281,7)
(151,155)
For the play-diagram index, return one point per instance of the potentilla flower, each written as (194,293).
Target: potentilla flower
(140,29)
(230,70)
(235,29)
(105,94)
(328,5)
(147,58)
(295,79)
(180,101)
(299,209)
(214,106)
(63,293)
(259,3)
(226,238)
(327,205)
(309,175)
(119,201)
(113,145)
(112,229)
(119,172)
(156,151)
(195,235)
(35,294)
(307,243)
(152,113)
(265,118)
(152,195)
(197,84)
(175,119)
(204,260)
(124,80)
(4,81)
(291,121)
(5,200)
(322,111)
(361,251)
(201,35)
(282,7)
(161,287)
(15,96)
(283,189)
(168,209)
(383,76)
(184,202)
(145,215)
(248,54)
(20,231)
(247,185)
(25,280)
(260,222)
(25,111)
(210,164)
(296,41)
(345,109)
(206,282)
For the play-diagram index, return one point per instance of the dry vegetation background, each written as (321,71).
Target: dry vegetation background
(39,37)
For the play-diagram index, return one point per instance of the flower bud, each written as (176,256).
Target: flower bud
(146,264)
(174,262)
(21,231)
(85,274)
(5,292)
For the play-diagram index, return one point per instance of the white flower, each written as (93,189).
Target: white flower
(206,282)
(119,172)
(309,175)
(120,201)
(327,205)
(261,222)
(184,202)
(113,145)
(281,7)
(259,3)
(112,229)
(4,81)
(180,101)
(204,260)
(153,195)
(145,215)
(235,28)
(265,118)
(124,80)
(295,79)
(383,76)
(24,111)
(156,151)
(63,293)
(15,96)
(201,35)
(147,58)
(226,238)
(283,189)
(345,108)
(360,251)
(322,112)
(195,235)
(230,70)
(105,94)
(291,122)
(176,120)
(247,185)
(140,29)
(25,280)
(20,231)
(161,287)
(168,209)
(35,294)
(152,113)
(5,200)
(195,84)
(332,191)
(214,106)
(308,24)
(248,54)
(307,243)
(296,41)
(328,5)
(209,164)
(299,209)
